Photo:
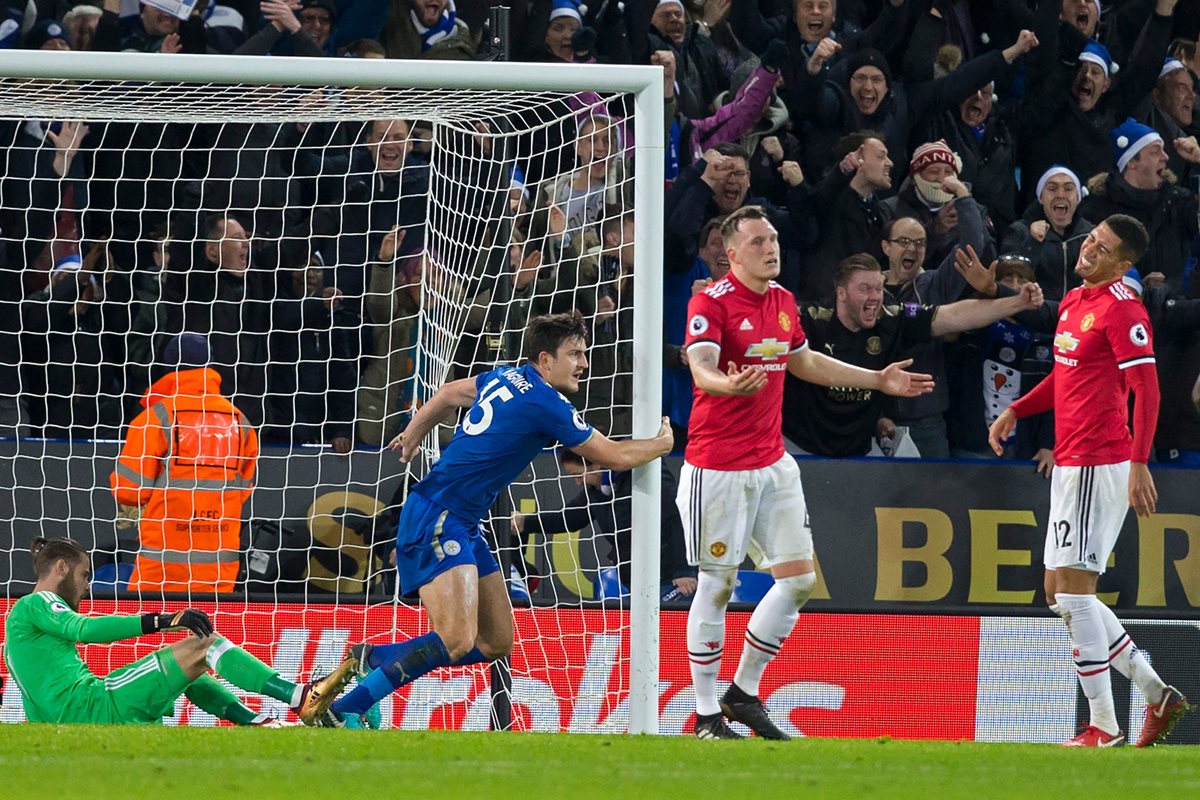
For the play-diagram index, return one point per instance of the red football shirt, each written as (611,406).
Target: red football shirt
(739,432)
(1101,332)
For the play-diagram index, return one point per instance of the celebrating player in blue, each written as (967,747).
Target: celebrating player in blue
(515,412)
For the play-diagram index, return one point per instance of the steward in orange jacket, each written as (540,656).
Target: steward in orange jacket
(188,463)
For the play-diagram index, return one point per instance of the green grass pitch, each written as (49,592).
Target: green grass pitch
(95,763)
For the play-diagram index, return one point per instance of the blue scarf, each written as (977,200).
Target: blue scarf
(442,30)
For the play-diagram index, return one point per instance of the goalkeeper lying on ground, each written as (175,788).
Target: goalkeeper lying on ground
(43,628)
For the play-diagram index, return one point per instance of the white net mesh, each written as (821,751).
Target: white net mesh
(344,251)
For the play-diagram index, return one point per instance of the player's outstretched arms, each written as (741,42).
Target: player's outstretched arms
(627,453)
(809,365)
(190,619)
(896,381)
(706,373)
(1001,429)
(969,315)
(451,396)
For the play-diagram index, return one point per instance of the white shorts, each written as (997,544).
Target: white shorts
(1087,509)
(728,514)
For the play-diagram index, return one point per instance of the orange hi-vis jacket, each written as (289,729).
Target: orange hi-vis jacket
(188,463)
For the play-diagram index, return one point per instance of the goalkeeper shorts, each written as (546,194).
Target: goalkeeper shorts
(141,693)
(431,541)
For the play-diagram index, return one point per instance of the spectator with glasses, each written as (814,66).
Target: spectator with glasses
(907,282)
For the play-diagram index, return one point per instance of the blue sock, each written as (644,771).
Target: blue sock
(383,653)
(473,657)
(407,661)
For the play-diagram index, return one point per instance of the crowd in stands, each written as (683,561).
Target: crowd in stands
(923,140)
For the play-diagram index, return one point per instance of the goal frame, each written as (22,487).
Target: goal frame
(644,83)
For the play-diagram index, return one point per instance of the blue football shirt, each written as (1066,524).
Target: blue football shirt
(515,416)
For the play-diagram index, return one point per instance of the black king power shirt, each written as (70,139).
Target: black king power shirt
(839,421)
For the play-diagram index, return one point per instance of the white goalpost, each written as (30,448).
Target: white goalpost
(502,220)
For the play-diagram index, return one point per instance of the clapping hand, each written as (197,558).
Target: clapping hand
(281,14)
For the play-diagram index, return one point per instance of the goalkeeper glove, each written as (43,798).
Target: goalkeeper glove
(187,620)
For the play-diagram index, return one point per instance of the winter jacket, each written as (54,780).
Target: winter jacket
(386,394)
(313,372)
(988,164)
(70,385)
(234,313)
(735,118)
(848,223)
(756,32)
(939,245)
(934,288)
(188,463)
(1169,215)
(358,205)
(689,204)
(1176,325)
(699,75)
(828,109)
(1055,130)
(401,40)
(1055,256)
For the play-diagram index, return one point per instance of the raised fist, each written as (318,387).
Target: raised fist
(825,51)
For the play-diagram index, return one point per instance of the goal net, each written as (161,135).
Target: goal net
(345,236)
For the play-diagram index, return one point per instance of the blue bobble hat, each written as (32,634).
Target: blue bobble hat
(568,8)
(1130,138)
(1096,53)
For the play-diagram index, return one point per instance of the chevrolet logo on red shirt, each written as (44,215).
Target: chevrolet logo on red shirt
(767,349)
(1065,342)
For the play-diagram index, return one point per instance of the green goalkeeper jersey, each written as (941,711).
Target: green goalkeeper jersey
(40,647)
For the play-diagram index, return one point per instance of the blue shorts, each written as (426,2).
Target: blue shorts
(431,540)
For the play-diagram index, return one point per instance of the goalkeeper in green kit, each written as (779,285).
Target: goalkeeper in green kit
(44,627)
